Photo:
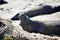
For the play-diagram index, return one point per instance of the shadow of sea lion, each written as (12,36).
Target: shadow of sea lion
(44,27)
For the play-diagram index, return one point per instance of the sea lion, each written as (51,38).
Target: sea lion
(42,24)
(38,10)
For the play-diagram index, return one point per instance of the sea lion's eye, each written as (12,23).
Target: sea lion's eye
(2,24)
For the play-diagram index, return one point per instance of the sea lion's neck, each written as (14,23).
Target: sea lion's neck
(25,19)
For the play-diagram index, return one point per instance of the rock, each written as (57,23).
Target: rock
(5,27)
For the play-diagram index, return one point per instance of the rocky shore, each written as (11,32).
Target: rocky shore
(9,21)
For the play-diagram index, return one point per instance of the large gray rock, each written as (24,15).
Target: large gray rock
(6,27)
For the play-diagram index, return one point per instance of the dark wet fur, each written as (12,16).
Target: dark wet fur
(38,12)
